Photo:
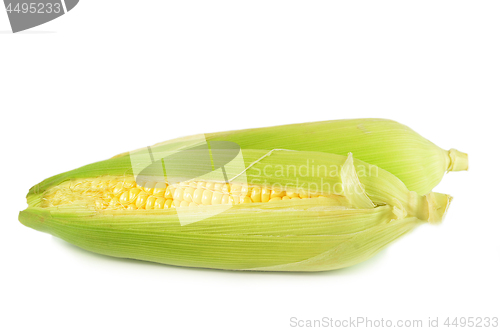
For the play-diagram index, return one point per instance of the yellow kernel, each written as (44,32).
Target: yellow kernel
(286,197)
(103,185)
(132,207)
(149,187)
(160,189)
(296,198)
(245,190)
(266,195)
(217,198)
(169,193)
(118,189)
(124,198)
(225,199)
(188,194)
(275,199)
(256,194)
(226,188)
(235,188)
(133,193)
(245,199)
(150,202)
(114,203)
(291,194)
(193,184)
(304,195)
(210,186)
(179,194)
(129,183)
(234,199)
(193,204)
(197,195)
(200,184)
(140,202)
(277,193)
(176,203)
(160,202)
(218,187)
(206,199)
(168,203)
(184,204)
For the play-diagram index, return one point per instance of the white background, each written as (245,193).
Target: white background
(112,76)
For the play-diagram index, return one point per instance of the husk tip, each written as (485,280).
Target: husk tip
(458,161)
(438,204)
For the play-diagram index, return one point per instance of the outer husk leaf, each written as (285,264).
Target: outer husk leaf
(394,147)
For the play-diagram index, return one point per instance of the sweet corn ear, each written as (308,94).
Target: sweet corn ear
(217,206)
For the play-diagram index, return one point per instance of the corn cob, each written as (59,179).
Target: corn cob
(387,144)
(264,213)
